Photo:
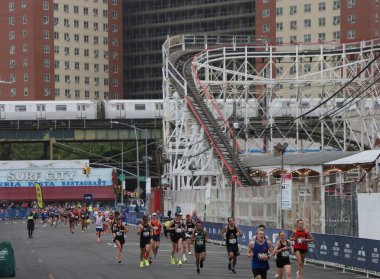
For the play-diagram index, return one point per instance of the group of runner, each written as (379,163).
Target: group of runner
(184,234)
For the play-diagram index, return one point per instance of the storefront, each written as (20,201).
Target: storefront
(61,180)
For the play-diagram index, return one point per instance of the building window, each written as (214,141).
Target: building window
(307,38)
(66,8)
(23,4)
(105,13)
(56,64)
(96,40)
(26,77)
(76,37)
(86,53)
(351,3)
(12,35)
(12,78)
(66,22)
(114,2)
(105,41)
(105,82)
(106,95)
(67,65)
(293,24)
(56,78)
(12,20)
(95,12)
(24,34)
(293,10)
(85,24)
(85,38)
(45,6)
(26,91)
(46,34)
(46,77)
(321,37)
(76,65)
(46,49)
(96,67)
(86,66)
(11,6)
(96,94)
(47,91)
(336,5)
(115,69)
(114,15)
(96,81)
(336,20)
(279,41)
(76,10)
(105,68)
(85,10)
(322,6)
(96,53)
(56,49)
(321,21)
(24,19)
(115,42)
(307,23)
(12,49)
(86,94)
(351,34)
(105,27)
(57,92)
(279,26)
(307,8)
(12,63)
(76,23)
(266,13)
(77,93)
(351,19)
(293,39)
(67,37)
(336,35)
(76,51)
(25,63)
(67,79)
(45,20)
(56,7)
(77,79)
(47,63)
(96,26)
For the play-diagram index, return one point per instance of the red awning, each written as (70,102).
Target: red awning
(19,194)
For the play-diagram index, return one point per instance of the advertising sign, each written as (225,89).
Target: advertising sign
(286,189)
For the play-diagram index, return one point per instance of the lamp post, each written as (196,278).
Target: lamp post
(138,158)
(279,150)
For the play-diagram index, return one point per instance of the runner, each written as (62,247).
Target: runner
(190,225)
(144,229)
(44,215)
(157,228)
(176,228)
(99,221)
(282,250)
(199,238)
(260,251)
(30,225)
(118,231)
(301,237)
(71,220)
(230,233)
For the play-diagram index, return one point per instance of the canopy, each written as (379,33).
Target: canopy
(365,157)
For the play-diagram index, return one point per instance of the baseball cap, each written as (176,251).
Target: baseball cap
(154,214)
(145,218)
(178,214)
(187,215)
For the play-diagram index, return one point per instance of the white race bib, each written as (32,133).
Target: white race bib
(232,241)
(118,233)
(146,234)
(285,254)
(200,242)
(179,230)
(190,229)
(300,240)
(155,228)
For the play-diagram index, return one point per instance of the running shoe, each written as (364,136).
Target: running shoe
(198,270)
(298,275)
(179,263)
(146,263)
(276,276)
(141,263)
(201,264)
(172,261)
(233,270)
(189,252)
(98,240)
(184,258)
(229,266)
(119,261)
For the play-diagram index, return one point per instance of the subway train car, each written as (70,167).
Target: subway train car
(133,109)
(48,110)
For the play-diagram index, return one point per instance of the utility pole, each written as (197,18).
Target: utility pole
(234,178)
(279,150)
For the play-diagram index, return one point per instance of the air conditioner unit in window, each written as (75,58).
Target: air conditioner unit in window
(335,22)
(68,81)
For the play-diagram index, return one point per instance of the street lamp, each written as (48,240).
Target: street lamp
(147,195)
(279,150)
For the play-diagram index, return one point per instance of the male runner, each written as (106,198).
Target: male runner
(157,228)
(199,238)
(144,229)
(177,228)
(230,233)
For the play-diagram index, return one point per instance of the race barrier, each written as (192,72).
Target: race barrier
(14,213)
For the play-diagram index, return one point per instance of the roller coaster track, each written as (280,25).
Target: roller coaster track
(202,69)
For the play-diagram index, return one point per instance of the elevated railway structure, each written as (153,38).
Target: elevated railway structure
(202,75)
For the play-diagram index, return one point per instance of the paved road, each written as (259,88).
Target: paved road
(54,253)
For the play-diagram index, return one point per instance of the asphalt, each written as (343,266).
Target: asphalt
(55,253)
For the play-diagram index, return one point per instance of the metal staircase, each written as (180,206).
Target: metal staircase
(232,166)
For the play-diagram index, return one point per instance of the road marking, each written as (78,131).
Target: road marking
(39,260)
(32,251)
(51,276)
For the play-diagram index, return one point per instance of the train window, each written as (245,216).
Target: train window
(20,108)
(139,106)
(305,105)
(159,106)
(339,104)
(60,108)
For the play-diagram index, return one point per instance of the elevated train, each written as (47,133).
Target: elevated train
(154,109)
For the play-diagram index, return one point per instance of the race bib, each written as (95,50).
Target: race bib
(200,242)
(232,241)
(187,235)
(118,233)
(155,228)
(300,240)
(260,255)
(146,233)
(190,229)
(179,230)
(285,254)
